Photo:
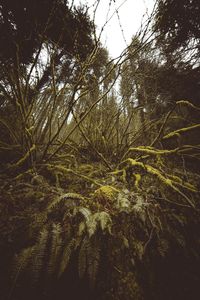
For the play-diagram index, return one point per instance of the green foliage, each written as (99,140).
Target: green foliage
(89,259)
(64,198)
(86,233)
(99,186)
(47,18)
(66,254)
(20,263)
(178,23)
(110,228)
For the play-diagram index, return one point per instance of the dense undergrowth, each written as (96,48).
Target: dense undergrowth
(99,161)
(76,228)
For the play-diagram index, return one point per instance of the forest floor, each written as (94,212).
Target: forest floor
(91,233)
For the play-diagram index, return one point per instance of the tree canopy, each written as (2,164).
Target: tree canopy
(178,23)
(24,25)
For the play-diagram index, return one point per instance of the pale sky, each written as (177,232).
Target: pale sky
(129,18)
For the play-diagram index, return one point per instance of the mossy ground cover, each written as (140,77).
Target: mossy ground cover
(116,235)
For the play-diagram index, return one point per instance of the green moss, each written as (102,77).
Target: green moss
(25,157)
(181,130)
(107,192)
(63,170)
(164,178)
(180,182)
(152,151)
(86,167)
(137,180)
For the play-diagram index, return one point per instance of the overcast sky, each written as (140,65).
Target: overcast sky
(129,18)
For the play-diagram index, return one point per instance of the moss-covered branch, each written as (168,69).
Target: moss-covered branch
(180,131)
(173,182)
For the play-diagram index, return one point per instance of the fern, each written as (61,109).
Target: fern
(39,219)
(139,249)
(84,211)
(139,205)
(55,248)
(99,219)
(91,225)
(64,197)
(20,263)
(104,220)
(39,255)
(32,257)
(66,255)
(93,255)
(163,247)
(123,204)
(93,221)
(89,259)
(82,259)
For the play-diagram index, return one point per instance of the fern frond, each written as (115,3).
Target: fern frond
(39,255)
(91,225)
(104,220)
(19,265)
(84,211)
(93,260)
(82,259)
(56,245)
(101,219)
(64,197)
(21,261)
(163,247)
(39,219)
(81,228)
(139,249)
(123,204)
(65,258)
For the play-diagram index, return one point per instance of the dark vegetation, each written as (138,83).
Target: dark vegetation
(99,158)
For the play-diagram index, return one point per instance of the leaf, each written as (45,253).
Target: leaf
(82,260)
(91,225)
(56,243)
(105,220)
(84,211)
(64,197)
(93,255)
(66,256)
(123,203)
(81,228)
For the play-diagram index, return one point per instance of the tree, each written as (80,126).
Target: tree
(178,23)
(139,87)
(24,25)
(47,47)
(177,26)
